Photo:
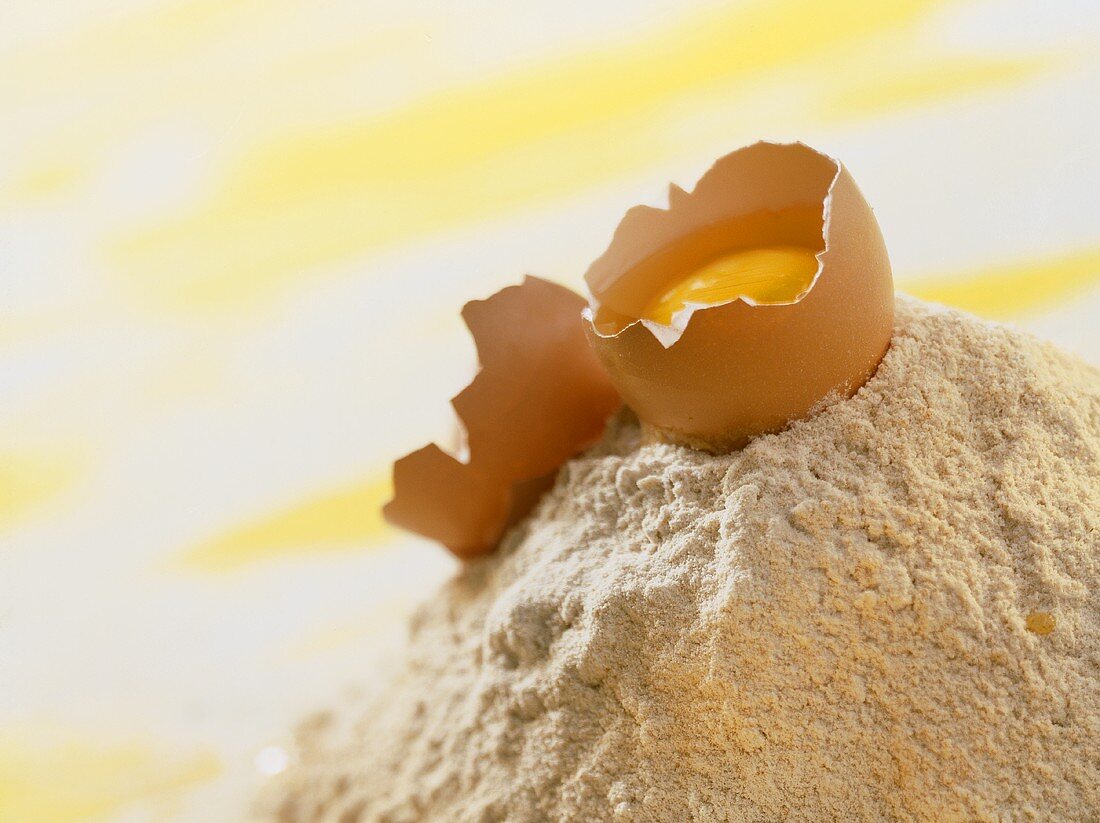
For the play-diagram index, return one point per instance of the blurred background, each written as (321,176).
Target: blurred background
(234,237)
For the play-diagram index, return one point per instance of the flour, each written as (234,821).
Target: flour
(890,611)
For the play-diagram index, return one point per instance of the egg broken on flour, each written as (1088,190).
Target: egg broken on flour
(731,313)
(746,302)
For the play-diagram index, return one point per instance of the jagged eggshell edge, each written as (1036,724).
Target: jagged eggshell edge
(539,397)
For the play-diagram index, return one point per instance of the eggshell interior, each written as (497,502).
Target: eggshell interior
(719,375)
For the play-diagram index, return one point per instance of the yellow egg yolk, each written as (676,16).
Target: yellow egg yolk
(777,274)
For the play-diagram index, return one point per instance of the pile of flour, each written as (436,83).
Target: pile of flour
(888,612)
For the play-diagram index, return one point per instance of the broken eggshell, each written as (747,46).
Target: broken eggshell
(539,397)
(718,375)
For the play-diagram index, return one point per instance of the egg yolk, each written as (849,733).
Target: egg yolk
(776,274)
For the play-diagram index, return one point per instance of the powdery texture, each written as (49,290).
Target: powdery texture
(828,625)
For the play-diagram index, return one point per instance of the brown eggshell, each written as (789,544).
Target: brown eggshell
(540,397)
(722,374)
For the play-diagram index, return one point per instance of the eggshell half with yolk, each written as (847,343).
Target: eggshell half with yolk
(713,376)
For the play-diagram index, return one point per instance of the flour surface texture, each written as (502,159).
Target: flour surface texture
(890,611)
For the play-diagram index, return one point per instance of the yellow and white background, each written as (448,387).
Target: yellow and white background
(234,236)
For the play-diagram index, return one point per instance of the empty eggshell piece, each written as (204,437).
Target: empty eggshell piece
(539,397)
(712,375)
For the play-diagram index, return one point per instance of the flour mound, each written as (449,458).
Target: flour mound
(850,620)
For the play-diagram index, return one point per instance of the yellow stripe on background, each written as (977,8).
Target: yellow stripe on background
(30,482)
(942,79)
(76,779)
(465,126)
(472,153)
(42,182)
(344,519)
(1013,289)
